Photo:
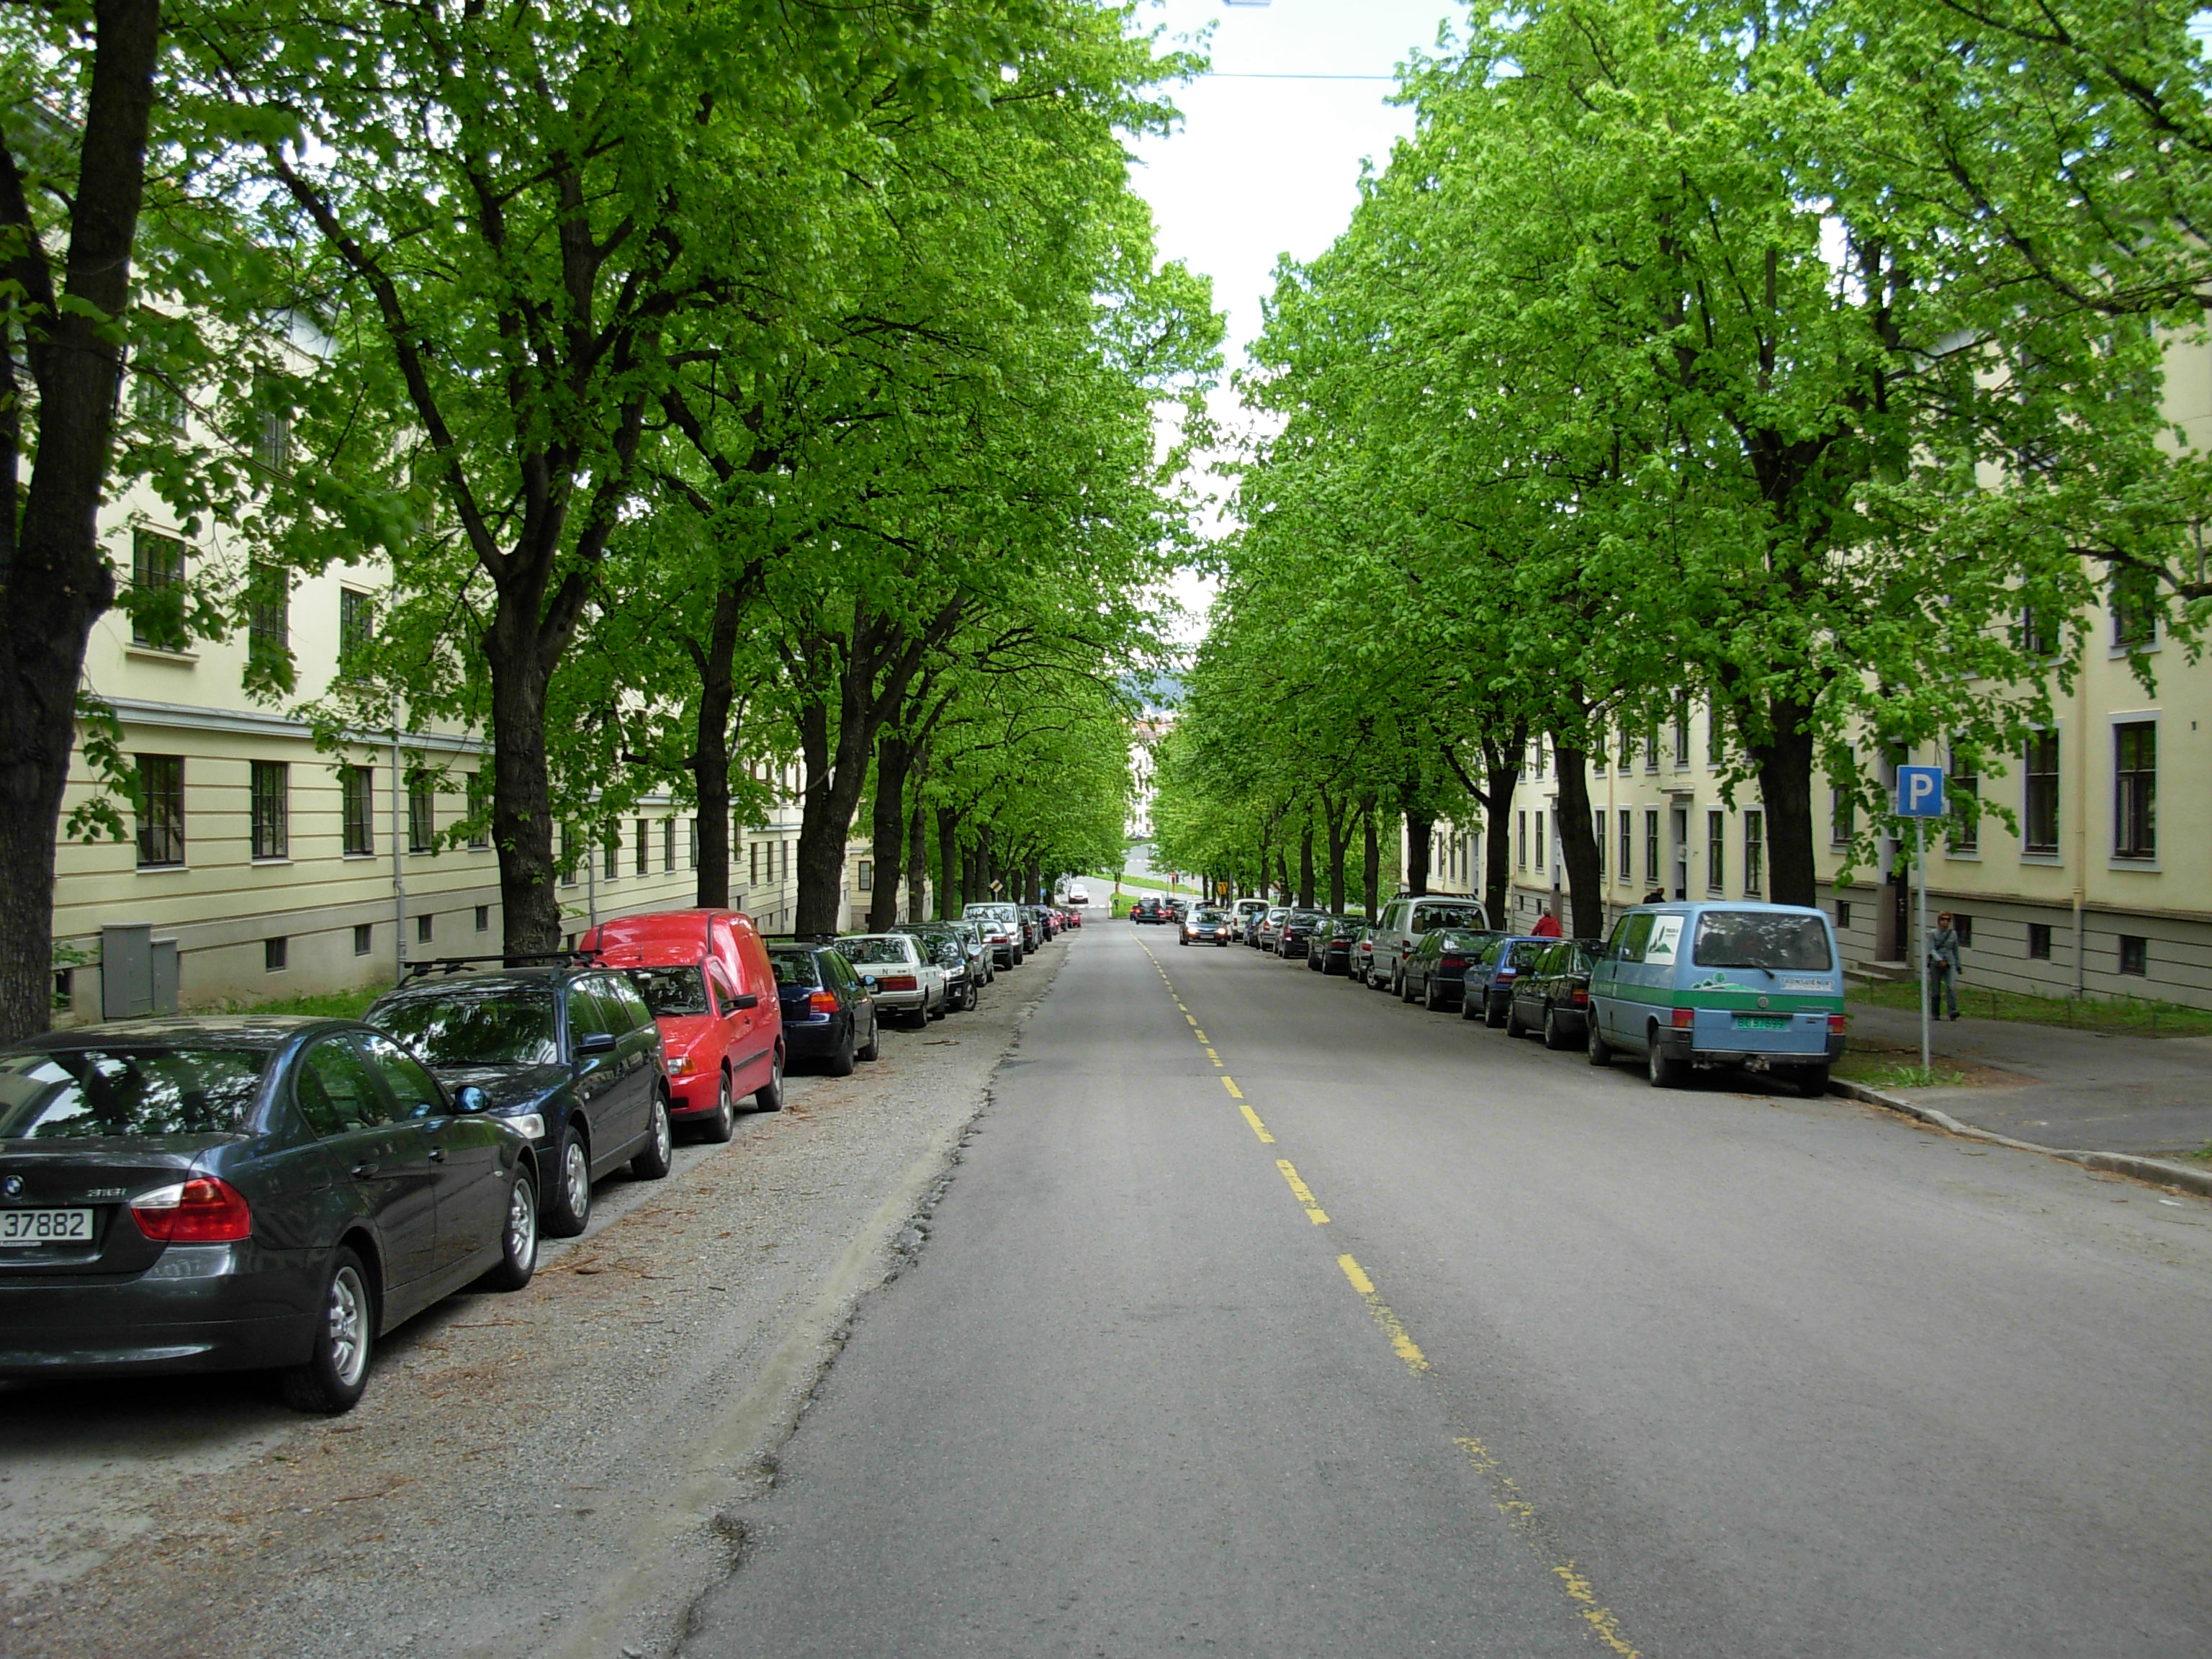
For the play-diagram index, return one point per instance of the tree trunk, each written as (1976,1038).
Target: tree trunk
(1578,839)
(522,805)
(710,749)
(894,760)
(1419,826)
(951,871)
(1306,863)
(1501,766)
(917,859)
(832,793)
(1370,858)
(1333,818)
(54,581)
(1785,788)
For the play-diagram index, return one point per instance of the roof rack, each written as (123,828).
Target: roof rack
(515,959)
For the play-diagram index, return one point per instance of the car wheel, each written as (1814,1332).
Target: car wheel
(1432,995)
(517,1239)
(874,1047)
(657,1156)
(839,1060)
(336,1372)
(1599,1051)
(1554,1038)
(1514,1027)
(1405,988)
(569,1210)
(719,1125)
(1491,1015)
(1661,1068)
(769,1097)
(1812,1082)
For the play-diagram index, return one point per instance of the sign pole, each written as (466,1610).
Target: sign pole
(1920,944)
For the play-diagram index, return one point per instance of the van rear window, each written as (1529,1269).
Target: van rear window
(1762,938)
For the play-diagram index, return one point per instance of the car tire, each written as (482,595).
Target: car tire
(518,1238)
(569,1204)
(654,1160)
(1554,1038)
(1599,1050)
(1490,1017)
(720,1124)
(1661,1068)
(1514,1028)
(1812,1082)
(769,1097)
(838,1063)
(1405,988)
(873,1049)
(335,1373)
(1433,996)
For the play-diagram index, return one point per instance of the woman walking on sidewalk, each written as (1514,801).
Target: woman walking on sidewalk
(1944,966)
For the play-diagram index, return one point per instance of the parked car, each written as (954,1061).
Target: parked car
(1756,986)
(1206,925)
(1404,920)
(1072,916)
(1298,927)
(1002,926)
(1033,933)
(1359,959)
(243,1193)
(1271,926)
(570,1052)
(828,1009)
(1329,950)
(1491,977)
(1248,912)
(1435,972)
(705,975)
(962,981)
(1552,995)
(906,981)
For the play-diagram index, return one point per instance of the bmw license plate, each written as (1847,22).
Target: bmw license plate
(46,1227)
(1762,1021)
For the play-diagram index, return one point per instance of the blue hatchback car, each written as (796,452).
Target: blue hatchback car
(1759,987)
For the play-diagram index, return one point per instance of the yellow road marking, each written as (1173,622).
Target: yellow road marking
(1302,1193)
(1215,1058)
(1252,1118)
(1229,1083)
(1200,1034)
(1400,1343)
(1186,1014)
(1522,1514)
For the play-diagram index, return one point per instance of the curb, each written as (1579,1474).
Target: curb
(2156,1170)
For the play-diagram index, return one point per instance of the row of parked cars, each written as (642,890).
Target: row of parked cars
(256,1192)
(1683,986)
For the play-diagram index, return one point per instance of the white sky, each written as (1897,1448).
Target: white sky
(1262,167)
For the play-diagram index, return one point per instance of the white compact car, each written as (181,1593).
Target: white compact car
(905,982)
(1078,897)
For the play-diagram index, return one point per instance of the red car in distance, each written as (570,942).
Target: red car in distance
(705,975)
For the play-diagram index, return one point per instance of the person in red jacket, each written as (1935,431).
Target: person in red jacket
(1547,926)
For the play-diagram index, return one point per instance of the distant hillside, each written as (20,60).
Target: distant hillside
(1154,691)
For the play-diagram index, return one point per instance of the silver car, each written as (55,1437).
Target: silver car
(1002,926)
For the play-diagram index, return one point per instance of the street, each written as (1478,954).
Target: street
(1571,1365)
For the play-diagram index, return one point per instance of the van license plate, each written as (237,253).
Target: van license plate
(45,1227)
(1762,1021)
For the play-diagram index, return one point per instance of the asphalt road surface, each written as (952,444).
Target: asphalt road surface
(1268,1316)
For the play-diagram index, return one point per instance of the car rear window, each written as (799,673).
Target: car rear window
(671,993)
(509,1025)
(1444,915)
(1762,938)
(794,967)
(876,950)
(80,1094)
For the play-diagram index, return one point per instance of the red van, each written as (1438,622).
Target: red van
(706,976)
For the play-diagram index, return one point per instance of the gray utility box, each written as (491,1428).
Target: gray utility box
(137,972)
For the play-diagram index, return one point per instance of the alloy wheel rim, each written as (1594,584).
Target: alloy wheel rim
(663,1140)
(576,1175)
(348,1326)
(521,1225)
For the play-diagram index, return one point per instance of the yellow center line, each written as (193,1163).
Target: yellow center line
(1229,1083)
(1187,1015)
(1200,1034)
(1402,1344)
(1258,1127)
(1215,1058)
(1302,1193)
(1522,1514)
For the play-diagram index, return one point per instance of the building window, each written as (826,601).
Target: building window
(1651,750)
(2135,610)
(422,815)
(157,567)
(2039,807)
(160,805)
(483,918)
(1716,737)
(568,855)
(694,823)
(64,989)
(272,811)
(610,854)
(667,846)
(1524,817)
(1597,755)
(274,955)
(268,613)
(480,809)
(752,860)
(1842,914)
(272,440)
(1963,926)
(1651,846)
(1627,747)
(1754,853)
(160,405)
(867,882)
(1715,850)
(364,935)
(1598,835)
(357,792)
(1681,732)
(1627,845)
(1843,816)
(2038,941)
(644,846)
(423,931)
(1963,790)
(356,624)
(2135,800)
(2038,637)
(2135,955)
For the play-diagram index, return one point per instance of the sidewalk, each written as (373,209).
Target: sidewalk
(2150,1096)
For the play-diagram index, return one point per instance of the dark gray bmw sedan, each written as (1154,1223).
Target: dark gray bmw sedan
(227,1194)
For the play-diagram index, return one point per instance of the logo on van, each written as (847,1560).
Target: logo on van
(1722,982)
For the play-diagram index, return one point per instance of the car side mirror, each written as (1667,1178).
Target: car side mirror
(470,1099)
(596,1042)
(748,1000)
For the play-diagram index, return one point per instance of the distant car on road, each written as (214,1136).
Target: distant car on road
(1149,909)
(241,1192)
(1079,896)
(1205,925)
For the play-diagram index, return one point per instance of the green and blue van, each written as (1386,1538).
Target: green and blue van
(1759,987)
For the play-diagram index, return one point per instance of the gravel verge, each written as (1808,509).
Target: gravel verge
(559,1471)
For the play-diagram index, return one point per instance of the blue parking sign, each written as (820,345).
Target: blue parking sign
(1920,791)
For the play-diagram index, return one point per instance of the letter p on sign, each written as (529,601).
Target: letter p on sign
(1920,791)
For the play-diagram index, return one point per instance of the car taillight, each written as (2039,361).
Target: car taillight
(1835,1025)
(822,1002)
(899,983)
(1684,1018)
(205,1210)
(1451,961)
(1581,998)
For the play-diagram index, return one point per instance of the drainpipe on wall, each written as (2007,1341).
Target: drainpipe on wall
(398,864)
